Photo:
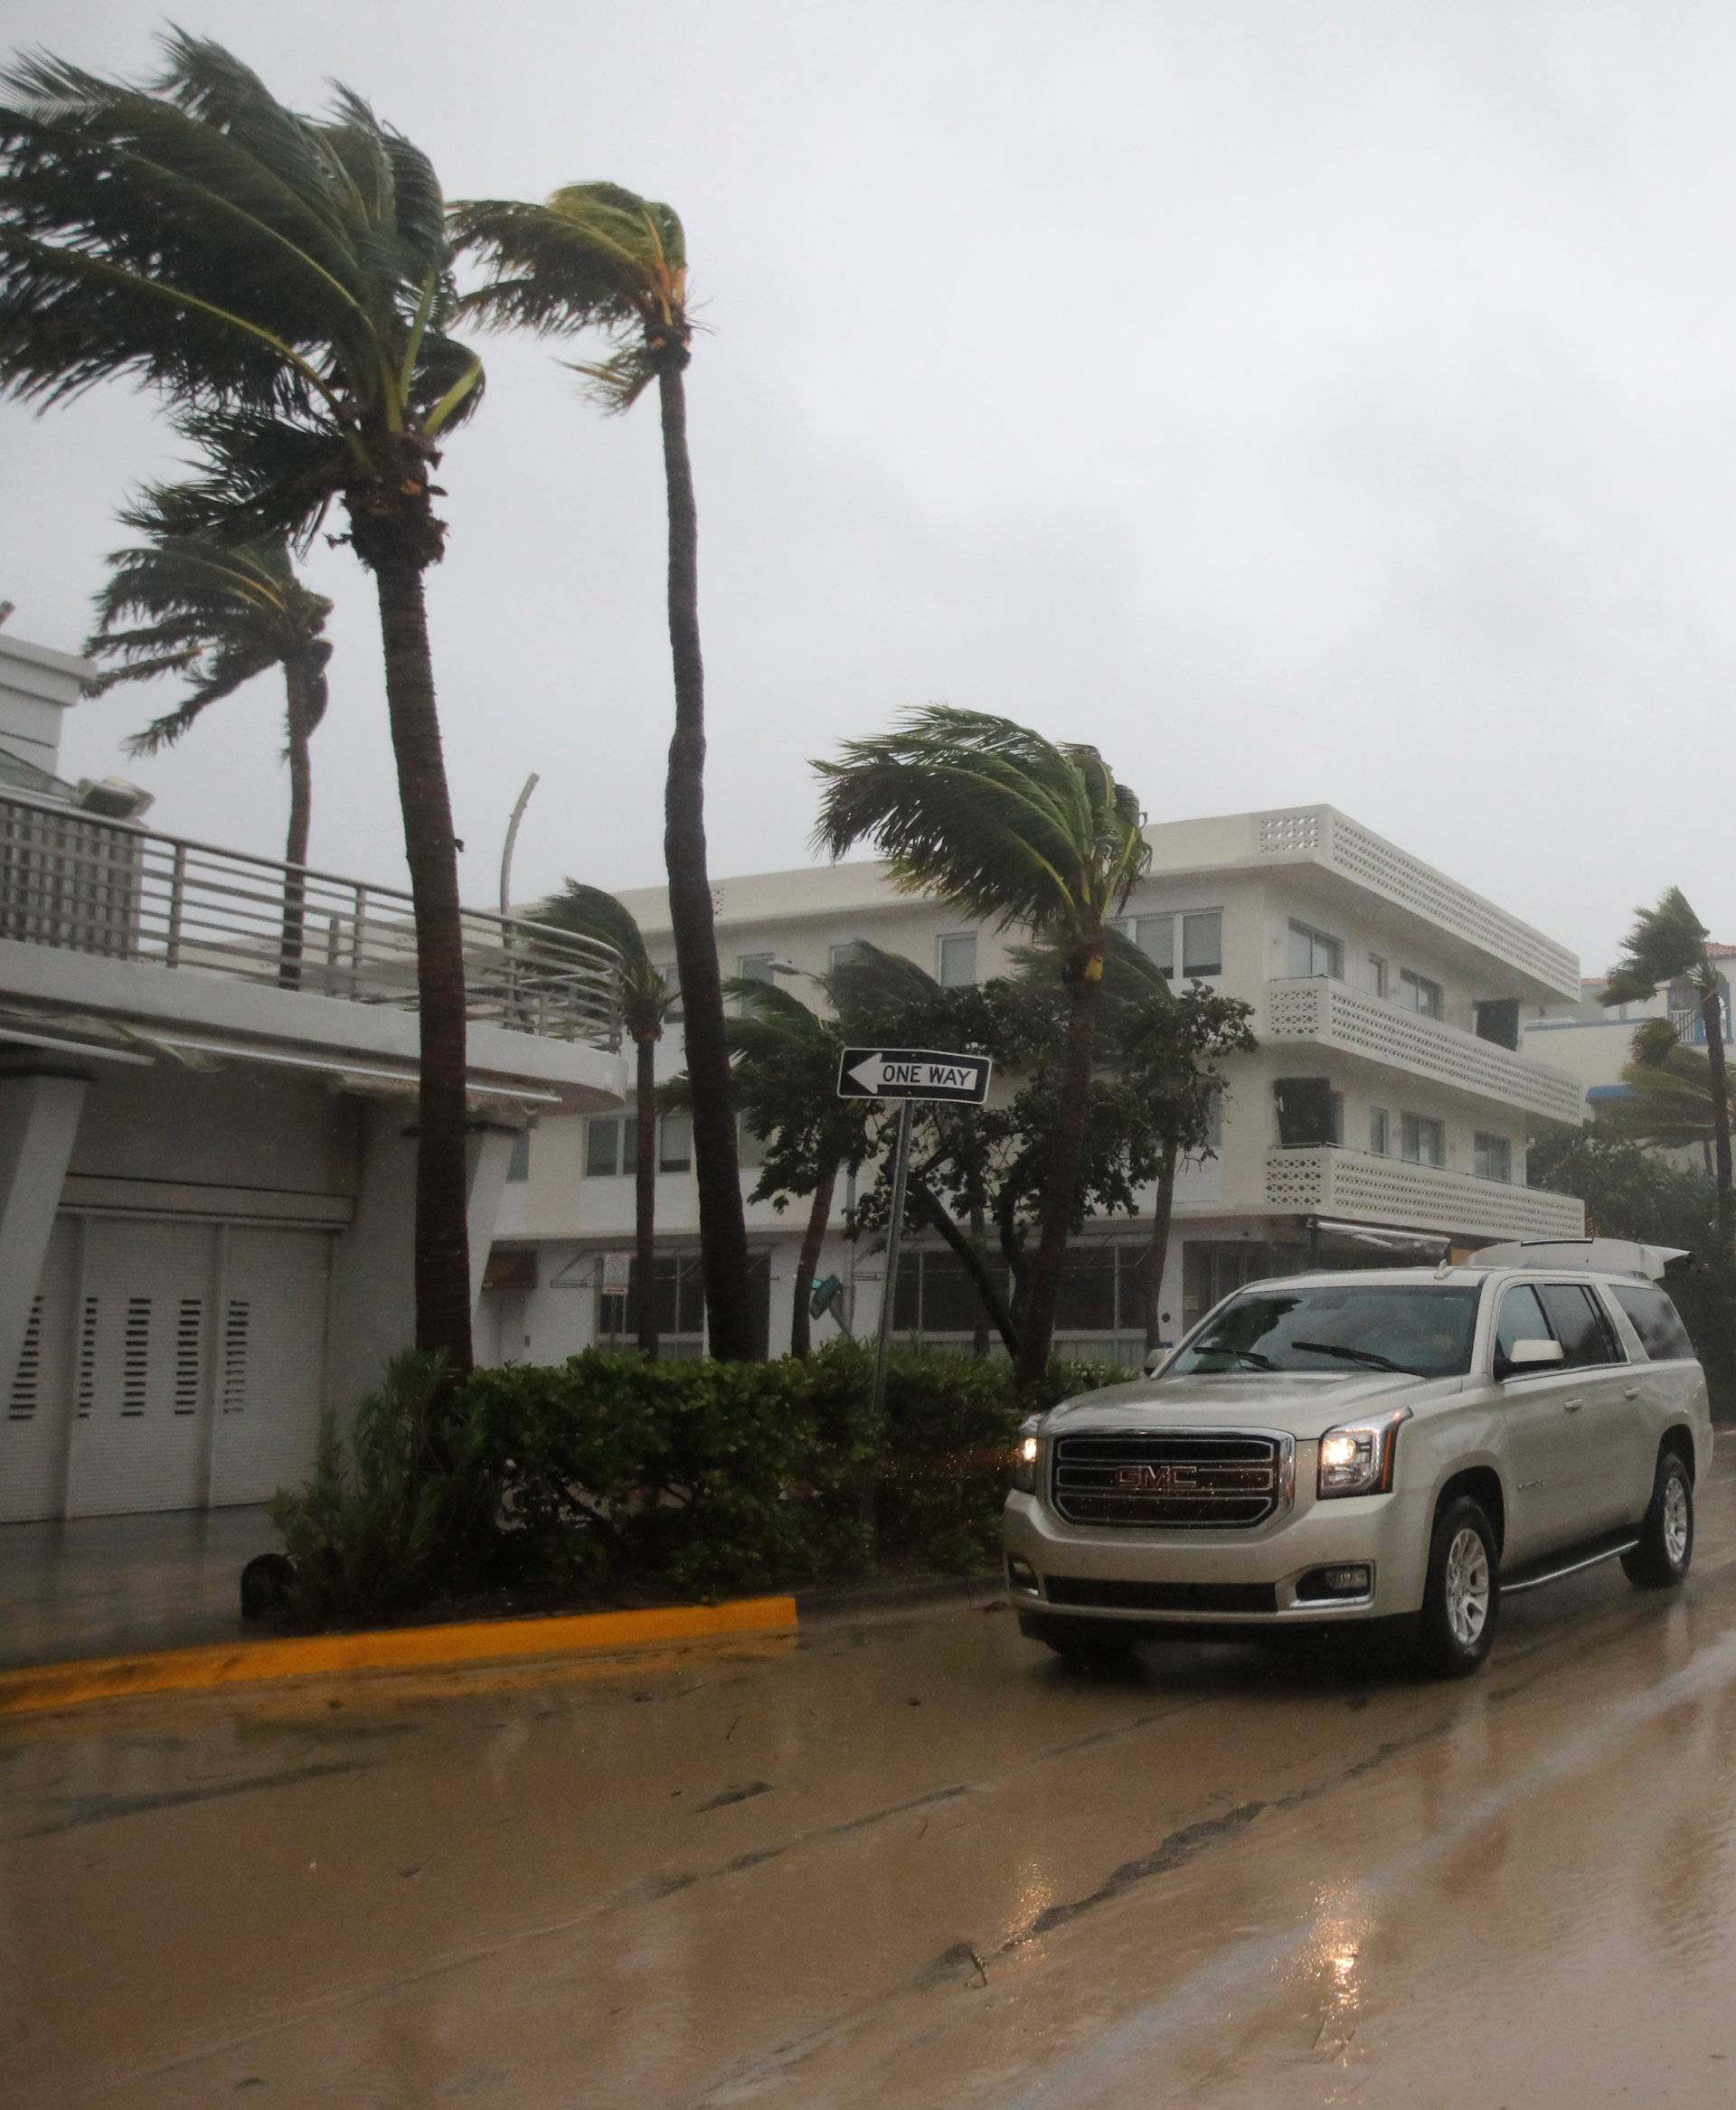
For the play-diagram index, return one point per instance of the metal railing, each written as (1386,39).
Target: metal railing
(72,880)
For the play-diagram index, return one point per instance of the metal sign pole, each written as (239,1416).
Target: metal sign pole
(894,1233)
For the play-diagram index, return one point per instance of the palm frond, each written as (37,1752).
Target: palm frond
(1667,944)
(1000,822)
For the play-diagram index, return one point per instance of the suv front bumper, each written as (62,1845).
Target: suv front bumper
(1269,1578)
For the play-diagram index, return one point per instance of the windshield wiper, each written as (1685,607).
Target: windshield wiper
(1365,1356)
(1246,1355)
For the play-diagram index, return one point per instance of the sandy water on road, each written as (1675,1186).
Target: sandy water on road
(911,1862)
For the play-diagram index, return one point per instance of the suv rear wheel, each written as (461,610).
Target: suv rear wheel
(1461,1601)
(1660,1561)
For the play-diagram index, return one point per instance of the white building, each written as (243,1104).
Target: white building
(206,1139)
(1393,993)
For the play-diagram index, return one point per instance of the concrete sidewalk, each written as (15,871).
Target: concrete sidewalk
(108,1585)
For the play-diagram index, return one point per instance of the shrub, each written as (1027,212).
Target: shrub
(700,1477)
(395,1523)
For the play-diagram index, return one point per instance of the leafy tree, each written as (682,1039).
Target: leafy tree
(285,284)
(219,614)
(598,258)
(1005,826)
(786,1078)
(1630,1192)
(1670,944)
(646,1001)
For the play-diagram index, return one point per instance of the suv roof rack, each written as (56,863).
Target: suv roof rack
(1595,1255)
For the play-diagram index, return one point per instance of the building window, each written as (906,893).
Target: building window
(1417,993)
(958,960)
(756,967)
(749,1146)
(1202,942)
(1314,952)
(1376,974)
(1422,1141)
(610,1145)
(1493,1158)
(845,955)
(671,975)
(675,1143)
(1156,938)
(1377,1131)
(518,1166)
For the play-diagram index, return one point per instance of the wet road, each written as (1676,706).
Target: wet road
(910,1862)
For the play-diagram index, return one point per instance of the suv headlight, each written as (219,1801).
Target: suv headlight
(1358,1457)
(1023,1476)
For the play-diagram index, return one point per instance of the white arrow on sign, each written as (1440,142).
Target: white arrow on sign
(876,1075)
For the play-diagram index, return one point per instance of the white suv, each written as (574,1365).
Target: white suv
(1343,1449)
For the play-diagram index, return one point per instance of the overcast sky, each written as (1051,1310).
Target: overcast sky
(1311,400)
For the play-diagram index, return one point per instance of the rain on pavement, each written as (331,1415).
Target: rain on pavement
(908,1861)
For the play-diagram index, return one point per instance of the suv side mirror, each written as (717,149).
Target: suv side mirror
(1529,1355)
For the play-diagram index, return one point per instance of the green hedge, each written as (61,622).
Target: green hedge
(700,1477)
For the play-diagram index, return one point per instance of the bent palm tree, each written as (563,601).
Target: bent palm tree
(646,1001)
(285,284)
(597,256)
(1670,944)
(219,614)
(1007,825)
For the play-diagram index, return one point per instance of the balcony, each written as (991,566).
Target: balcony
(74,882)
(1328,1014)
(1362,1189)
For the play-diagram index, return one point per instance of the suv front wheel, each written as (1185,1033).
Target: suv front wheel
(1462,1598)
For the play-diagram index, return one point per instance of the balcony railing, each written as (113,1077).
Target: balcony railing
(1333,1016)
(1363,1189)
(71,880)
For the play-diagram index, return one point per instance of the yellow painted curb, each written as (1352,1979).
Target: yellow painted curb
(478,1641)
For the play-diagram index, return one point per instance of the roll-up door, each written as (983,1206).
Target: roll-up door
(270,1361)
(39,1407)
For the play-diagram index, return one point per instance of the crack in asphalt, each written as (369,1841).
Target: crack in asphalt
(83,1810)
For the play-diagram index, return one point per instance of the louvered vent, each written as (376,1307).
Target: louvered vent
(189,1327)
(88,1357)
(236,1314)
(135,1357)
(27,1384)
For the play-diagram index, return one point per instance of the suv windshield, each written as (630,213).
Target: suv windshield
(1418,1328)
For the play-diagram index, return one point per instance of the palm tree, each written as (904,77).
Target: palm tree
(1005,826)
(1669,944)
(597,256)
(647,1000)
(1668,1099)
(285,284)
(219,614)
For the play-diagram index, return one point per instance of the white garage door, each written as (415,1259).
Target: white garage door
(170,1365)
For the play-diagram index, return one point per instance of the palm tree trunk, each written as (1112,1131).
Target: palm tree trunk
(807,1264)
(301,805)
(1156,1257)
(443,1234)
(1712,1010)
(722,1229)
(645,1193)
(1061,1179)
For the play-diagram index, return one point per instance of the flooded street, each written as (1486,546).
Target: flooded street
(909,1861)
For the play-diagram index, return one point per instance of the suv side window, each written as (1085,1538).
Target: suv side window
(1658,1323)
(1585,1334)
(1522,1319)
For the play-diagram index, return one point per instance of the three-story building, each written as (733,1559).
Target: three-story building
(1386,1114)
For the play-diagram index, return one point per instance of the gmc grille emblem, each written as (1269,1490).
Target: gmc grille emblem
(1155,1479)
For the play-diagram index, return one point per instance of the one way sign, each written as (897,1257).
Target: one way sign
(913,1073)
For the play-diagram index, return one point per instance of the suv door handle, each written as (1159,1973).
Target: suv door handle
(1571,1405)
(1631,1393)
